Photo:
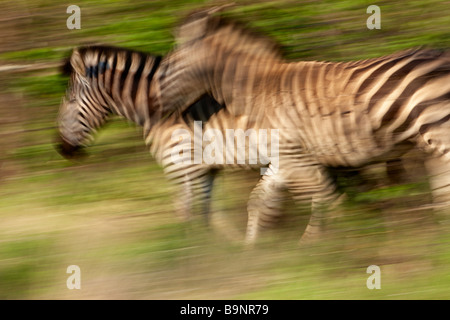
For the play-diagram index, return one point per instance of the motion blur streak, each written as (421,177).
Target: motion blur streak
(105,80)
(329,114)
(112,213)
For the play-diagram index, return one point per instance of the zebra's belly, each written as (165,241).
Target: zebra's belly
(360,155)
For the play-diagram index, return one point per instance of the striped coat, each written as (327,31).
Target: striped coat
(108,80)
(328,114)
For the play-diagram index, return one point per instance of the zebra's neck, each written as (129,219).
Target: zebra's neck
(121,79)
(190,72)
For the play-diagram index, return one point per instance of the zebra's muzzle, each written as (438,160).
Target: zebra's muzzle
(69,151)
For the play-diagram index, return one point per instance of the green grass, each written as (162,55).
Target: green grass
(112,214)
(24,267)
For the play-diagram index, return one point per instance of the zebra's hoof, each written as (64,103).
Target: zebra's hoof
(308,240)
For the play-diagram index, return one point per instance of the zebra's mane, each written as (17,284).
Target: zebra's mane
(67,67)
(416,53)
(231,34)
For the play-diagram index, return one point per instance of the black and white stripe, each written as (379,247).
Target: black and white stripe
(329,114)
(108,80)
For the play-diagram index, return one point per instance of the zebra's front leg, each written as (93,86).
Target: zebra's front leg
(183,199)
(203,193)
(309,181)
(321,205)
(194,187)
(264,204)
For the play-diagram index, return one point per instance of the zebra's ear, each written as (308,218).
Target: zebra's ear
(215,9)
(194,27)
(198,23)
(77,63)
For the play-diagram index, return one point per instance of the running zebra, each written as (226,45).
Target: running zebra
(109,80)
(328,114)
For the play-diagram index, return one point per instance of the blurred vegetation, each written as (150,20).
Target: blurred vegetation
(112,214)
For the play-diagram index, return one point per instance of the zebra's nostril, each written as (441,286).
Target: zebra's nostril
(69,151)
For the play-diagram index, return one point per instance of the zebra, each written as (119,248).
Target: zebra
(329,114)
(106,80)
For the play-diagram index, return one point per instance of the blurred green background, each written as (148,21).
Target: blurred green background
(112,214)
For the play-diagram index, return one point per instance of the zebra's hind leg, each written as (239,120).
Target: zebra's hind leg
(304,180)
(436,142)
(438,169)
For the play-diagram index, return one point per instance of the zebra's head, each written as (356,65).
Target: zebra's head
(227,35)
(81,113)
